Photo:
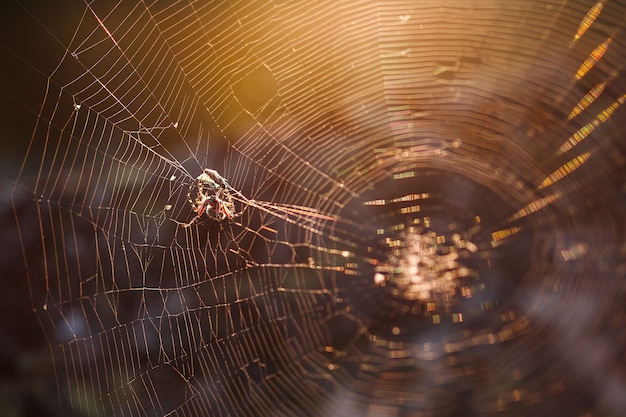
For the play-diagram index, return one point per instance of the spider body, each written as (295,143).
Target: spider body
(212,197)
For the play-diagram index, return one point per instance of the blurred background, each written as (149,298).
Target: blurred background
(431,198)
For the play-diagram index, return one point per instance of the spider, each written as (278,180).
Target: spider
(212,197)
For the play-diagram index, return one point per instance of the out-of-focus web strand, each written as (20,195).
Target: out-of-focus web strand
(565,169)
(586,130)
(587,100)
(587,21)
(593,58)
(593,94)
(498,236)
(608,112)
(577,137)
(534,206)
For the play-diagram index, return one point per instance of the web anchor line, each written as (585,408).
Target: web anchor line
(214,198)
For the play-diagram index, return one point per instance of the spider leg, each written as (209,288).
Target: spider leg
(204,203)
(227,211)
(218,211)
(193,220)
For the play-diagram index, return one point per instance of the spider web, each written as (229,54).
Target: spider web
(431,199)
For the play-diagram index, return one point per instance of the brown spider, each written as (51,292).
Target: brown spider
(213,198)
